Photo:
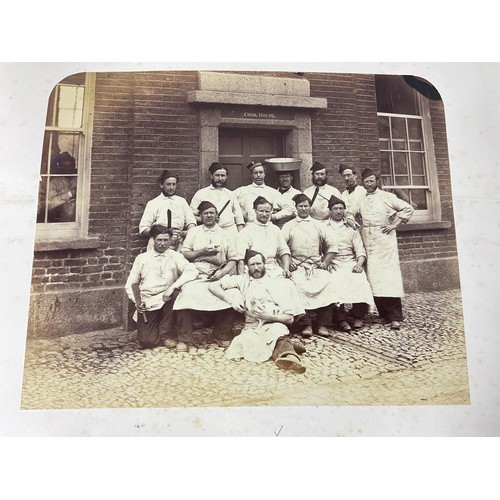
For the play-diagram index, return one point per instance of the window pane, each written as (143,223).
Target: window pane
(401,163)
(415,129)
(386,180)
(399,145)
(70,106)
(416,145)
(402,180)
(385,163)
(402,194)
(47,138)
(418,180)
(383,127)
(419,199)
(398,128)
(61,199)
(417,164)
(66,148)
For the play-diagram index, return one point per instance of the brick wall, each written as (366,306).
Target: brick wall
(142,124)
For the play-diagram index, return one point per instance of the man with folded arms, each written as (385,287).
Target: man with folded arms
(212,252)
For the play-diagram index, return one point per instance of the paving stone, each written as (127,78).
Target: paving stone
(107,368)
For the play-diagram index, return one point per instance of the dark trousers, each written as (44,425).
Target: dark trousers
(223,323)
(321,316)
(389,308)
(358,311)
(160,324)
(283,346)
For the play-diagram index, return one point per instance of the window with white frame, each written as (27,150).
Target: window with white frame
(65,165)
(407,161)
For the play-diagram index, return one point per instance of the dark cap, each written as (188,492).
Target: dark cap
(216,166)
(260,200)
(335,201)
(254,164)
(205,205)
(166,174)
(345,167)
(157,229)
(367,172)
(252,253)
(299,198)
(317,166)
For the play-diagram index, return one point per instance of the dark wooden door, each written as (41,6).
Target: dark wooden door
(238,147)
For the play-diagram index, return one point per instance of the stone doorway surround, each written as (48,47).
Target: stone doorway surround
(255,101)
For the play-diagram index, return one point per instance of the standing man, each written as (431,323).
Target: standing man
(153,285)
(169,210)
(264,301)
(312,249)
(213,253)
(347,269)
(381,213)
(352,189)
(288,192)
(247,194)
(320,192)
(229,212)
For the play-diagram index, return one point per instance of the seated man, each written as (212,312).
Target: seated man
(266,238)
(153,285)
(312,249)
(267,311)
(347,267)
(213,253)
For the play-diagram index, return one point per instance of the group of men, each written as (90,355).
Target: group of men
(283,259)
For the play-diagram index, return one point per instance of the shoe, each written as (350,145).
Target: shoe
(345,326)
(357,324)
(223,343)
(299,347)
(307,332)
(170,343)
(395,325)
(290,362)
(181,347)
(323,331)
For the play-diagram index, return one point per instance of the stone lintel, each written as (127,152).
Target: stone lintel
(214,97)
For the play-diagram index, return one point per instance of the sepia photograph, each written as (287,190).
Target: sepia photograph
(232,238)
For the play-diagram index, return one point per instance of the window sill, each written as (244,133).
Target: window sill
(423,226)
(70,244)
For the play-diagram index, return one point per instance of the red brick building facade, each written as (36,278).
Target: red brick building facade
(135,124)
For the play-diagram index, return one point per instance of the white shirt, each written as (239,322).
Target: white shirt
(219,197)
(156,213)
(155,272)
(247,194)
(319,208)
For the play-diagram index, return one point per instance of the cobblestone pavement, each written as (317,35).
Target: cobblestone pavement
(424,363)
